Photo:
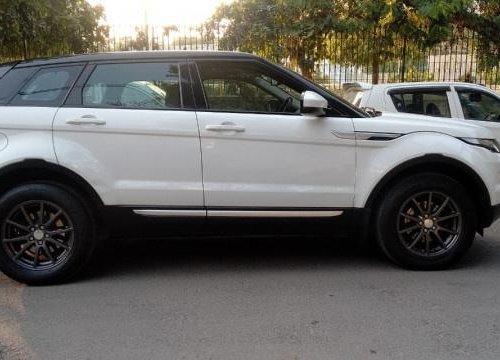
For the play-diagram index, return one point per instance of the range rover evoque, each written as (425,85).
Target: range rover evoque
(168,143)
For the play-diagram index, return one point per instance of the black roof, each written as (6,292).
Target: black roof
(136,55)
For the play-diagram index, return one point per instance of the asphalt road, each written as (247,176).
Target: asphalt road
(257,299)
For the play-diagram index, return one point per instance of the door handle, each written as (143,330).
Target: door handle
(86,120)
(225,127)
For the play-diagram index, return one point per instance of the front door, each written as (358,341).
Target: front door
(480,106)
(259,152)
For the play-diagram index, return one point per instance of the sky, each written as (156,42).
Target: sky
(159,12)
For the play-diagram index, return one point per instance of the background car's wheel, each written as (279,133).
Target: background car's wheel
(425,222)
(46,234)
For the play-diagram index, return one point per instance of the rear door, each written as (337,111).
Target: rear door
(129,129)
(430,101)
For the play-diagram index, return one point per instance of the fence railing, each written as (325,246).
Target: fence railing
(347,57)
(358,57)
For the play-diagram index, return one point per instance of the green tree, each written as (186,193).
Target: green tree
(30,28)
(483,18)
(398,30)
(141,39)
(281,30)
(368,32)
(168,30)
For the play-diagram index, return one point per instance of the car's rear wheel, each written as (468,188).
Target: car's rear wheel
(46,234)
(426,222)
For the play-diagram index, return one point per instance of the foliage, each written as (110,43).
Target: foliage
(30,28)
(141,39)
(298,32)
(483,18)
(280,30)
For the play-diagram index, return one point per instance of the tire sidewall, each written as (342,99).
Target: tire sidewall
(388,213)
(83,232)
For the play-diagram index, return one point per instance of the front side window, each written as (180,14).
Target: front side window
(432,103)
(47,87)
(479,105)
(134,86)
(247,87)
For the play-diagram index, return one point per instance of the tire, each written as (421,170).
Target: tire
(425,222)
(49,248)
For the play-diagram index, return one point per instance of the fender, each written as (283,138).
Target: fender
(444,165)
(40,170)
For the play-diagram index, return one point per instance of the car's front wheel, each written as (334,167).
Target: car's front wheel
(46,234)
(426,222)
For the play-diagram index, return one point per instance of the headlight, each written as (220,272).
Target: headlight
(490,144)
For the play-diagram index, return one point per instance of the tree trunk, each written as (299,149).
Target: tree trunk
(306,71)
(375,69)
(25,49)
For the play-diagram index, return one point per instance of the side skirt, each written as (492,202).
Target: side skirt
(174,222)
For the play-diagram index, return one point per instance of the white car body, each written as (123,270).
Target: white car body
(378,97)
(262,173)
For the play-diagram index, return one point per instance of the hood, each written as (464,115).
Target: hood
(397,123)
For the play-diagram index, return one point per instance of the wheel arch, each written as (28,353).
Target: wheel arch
(34,170)
(440,164)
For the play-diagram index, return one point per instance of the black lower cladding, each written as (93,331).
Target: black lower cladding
(122,222)
(495,211)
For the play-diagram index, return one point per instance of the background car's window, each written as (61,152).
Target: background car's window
(247,87)
(478,105)
(48,87)
(432,103)
(134,86)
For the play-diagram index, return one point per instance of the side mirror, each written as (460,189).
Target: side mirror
(312,103)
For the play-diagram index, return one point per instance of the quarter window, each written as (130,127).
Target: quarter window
(12,81)
(48,87)
(247,87)
(432,103)
(134,86)
(4,69)
(478,105)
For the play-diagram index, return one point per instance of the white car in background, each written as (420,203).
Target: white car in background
(440,99)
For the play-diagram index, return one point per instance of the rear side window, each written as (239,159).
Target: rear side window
(12,82)
(48,87)
(431,103)
(134,86)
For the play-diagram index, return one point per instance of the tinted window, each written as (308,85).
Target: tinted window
(247,87)
(13,81)
(47,87)
(432,103)
(4,69)
(478,105)
(134,86)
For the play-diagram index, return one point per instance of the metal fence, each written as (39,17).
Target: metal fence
(371,57)
(362,57)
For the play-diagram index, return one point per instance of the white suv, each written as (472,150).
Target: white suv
(164,143)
